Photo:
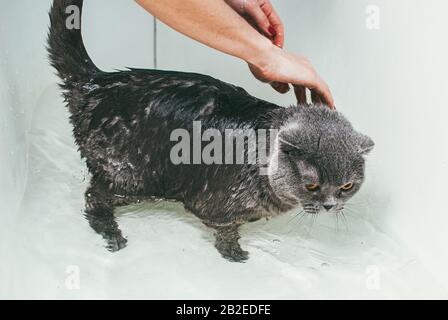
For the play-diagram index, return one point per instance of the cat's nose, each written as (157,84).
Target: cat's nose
(328,207)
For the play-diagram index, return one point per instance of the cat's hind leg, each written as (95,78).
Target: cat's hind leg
(226,242)
(100,204)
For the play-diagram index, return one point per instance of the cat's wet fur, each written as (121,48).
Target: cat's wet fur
(123,121)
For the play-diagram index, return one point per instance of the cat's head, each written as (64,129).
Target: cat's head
(321,160)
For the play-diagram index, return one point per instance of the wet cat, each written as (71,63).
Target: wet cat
(124,123)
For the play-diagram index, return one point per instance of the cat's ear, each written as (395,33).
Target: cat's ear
(290,149)
(365,144)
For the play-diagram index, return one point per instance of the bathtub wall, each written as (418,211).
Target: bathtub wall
(23,77)
(26,79)
(388,78)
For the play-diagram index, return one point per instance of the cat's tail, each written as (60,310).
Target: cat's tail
(65,46)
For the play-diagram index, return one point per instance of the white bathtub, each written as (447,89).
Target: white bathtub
(390,82)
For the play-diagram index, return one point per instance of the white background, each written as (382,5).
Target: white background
(391,83)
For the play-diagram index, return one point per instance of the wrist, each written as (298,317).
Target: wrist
(262,53)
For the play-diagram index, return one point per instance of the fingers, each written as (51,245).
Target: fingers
(315,97)
(254,11)
(300,92)
(321,92)
(261,15)
(276,26)
(280,87)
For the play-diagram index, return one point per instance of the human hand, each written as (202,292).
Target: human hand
(263,17)
(283,68)
(278,66)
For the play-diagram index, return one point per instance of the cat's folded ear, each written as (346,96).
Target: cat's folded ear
(365,144)
(291,149)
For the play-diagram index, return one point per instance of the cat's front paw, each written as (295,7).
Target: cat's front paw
(232,253)
(116,244)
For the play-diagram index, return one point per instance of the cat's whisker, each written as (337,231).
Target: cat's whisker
(302,217)
(296,215)
(345,220)
(337,221)
(313,220)
(357,204)
(350,212)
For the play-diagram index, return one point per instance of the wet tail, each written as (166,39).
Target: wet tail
(65,46)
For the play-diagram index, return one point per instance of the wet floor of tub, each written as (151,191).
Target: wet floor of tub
(170,254)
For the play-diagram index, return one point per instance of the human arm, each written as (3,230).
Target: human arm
(215,24)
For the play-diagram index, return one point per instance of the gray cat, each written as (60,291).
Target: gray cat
(123,123)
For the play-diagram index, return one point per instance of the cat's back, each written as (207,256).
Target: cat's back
(179,97)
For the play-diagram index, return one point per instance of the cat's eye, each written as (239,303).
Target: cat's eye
(348,186)
(312,187)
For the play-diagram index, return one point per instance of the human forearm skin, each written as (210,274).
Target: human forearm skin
(213,23)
